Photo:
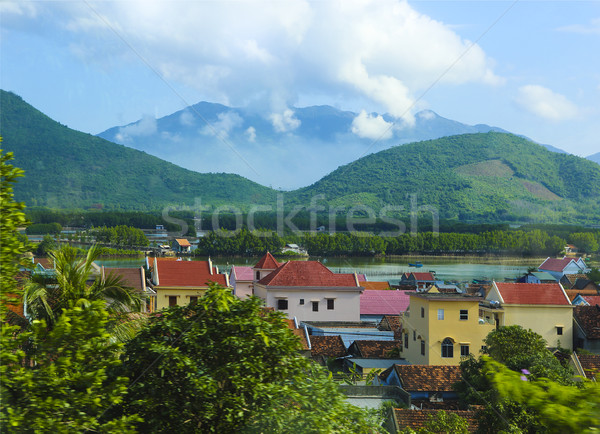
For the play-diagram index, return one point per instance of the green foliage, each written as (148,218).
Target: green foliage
(587,242)
(518,348)
(12,245)
(442,422)
(44,228)
(45,246)
(121,236)
(77,170)
(560,408)
(61,384)
(226,365)
(46,298)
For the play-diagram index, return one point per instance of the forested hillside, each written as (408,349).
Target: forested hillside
(69,169)
(472,177)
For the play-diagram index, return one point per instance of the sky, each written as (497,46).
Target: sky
(529,67)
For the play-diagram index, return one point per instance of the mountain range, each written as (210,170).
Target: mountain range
(283,151)
(478,177)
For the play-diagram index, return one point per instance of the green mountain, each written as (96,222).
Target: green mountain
(65,168)
(473,177)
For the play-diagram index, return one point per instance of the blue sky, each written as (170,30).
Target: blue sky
(530,67)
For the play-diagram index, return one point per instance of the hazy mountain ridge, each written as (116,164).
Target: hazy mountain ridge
(284,151)
(595,157)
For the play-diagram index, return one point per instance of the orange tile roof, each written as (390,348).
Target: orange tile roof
(267,262)
(309,274)
(187,273)
(532,293)
(592,299)
(328,346)
(375,285)
(374,349)
(417,419)
(427,378)
(424,276)
(133,277)
(572,293)
(297,332)
(183,242)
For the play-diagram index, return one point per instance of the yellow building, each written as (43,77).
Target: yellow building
(439,328)
(179,282)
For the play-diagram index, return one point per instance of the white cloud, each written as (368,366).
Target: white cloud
(186,118)
(545,103)
(251,134)
(383,51)
(593,28)
(226,123)
(371,127)
(284,122)
(426,114)
(144,127)
(17,8)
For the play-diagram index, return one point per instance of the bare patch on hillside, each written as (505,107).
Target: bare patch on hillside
(490,168)
(539,191)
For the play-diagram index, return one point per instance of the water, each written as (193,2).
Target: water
(387,269)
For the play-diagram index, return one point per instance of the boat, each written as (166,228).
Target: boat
(416,264)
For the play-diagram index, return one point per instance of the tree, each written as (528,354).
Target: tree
(560,408)
(442,422)
(520,349)
(12,245)
(46,300)
(61,386)
(45,246)
(227,365)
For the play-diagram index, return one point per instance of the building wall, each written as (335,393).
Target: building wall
(543,320)
(183,296)
(346,302)
(433,330)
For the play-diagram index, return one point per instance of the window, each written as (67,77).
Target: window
(422,348)
(282,304)
(483,349)
(258,275)
(440,313)
(172,300)
(559,330)
(405,340)
(422,312)
(447,348)
(464,314)
(315,306)
(464,350)
(330,303)
(301,301)
(414,335)
(193,299)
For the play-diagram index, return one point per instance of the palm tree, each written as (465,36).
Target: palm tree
(73,283)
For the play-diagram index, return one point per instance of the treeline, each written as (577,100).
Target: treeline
(120,236)
(44,229)
(520,243)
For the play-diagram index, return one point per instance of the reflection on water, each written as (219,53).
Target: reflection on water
(387,269)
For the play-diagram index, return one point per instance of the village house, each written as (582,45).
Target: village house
(178,282)
(308,291)
(134,278)
(559,267)
(181,245)
(242,280)
(422,281)
(375,304)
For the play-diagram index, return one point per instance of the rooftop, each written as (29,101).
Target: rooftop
(555,264)
(532,293)
(242,273)
(328,346)
(370,349)
(588,318)
(307,274)
(187,273)
(132,277)
(267,262)
(383,302)
(417,419)
(426,378)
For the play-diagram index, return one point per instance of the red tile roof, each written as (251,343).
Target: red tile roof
(383,302)
(309,274)
(424,277)
(375,349)
(532,293)
(591,365)
(267,262)
(427,378)
(47,263)
(242,273)
(183,242)
(592,299)
(375,285)
(297,332)
(328,346)
(133,277)
(572,293)
(588,318)
(554,264)
(187,273)
(417,419)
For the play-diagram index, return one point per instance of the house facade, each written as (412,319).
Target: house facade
(241,279)
(178,283)
(566,265)
(309,291)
